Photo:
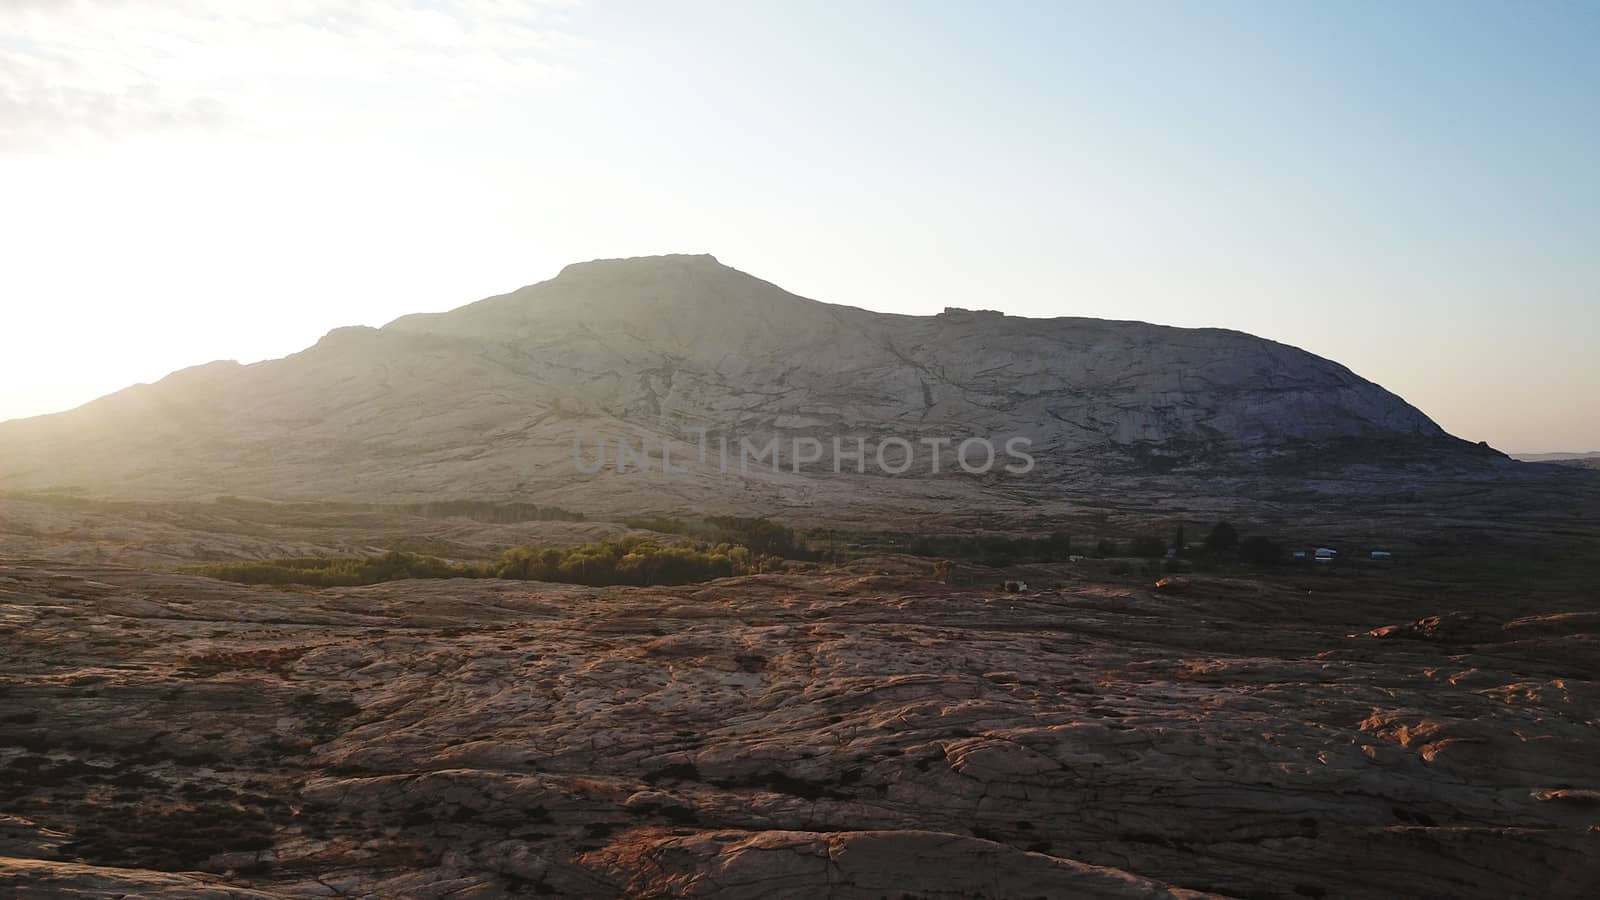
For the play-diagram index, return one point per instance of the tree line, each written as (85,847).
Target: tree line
(634,560)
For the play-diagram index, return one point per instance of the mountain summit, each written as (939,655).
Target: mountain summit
(488,399)
(679,299)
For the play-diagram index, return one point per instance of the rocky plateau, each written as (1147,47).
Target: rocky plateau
(854,731)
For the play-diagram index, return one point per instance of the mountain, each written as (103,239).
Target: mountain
(1590,460)
(489,401)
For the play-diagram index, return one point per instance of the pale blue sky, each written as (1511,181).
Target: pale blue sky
(1410,189)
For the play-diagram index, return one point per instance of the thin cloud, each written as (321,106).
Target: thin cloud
(110,68)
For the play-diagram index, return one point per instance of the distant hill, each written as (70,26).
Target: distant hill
(1575,458)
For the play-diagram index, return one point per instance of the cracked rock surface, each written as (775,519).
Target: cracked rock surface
(860,732)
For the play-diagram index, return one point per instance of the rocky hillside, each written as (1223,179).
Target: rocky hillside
(489,399)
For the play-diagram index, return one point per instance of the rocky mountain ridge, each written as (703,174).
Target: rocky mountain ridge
(489,400)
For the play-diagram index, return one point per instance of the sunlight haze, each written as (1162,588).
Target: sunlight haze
(186,181)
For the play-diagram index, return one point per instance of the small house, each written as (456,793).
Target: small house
(1382,554)
(1326,554)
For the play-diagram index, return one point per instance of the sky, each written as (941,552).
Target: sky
(1410,189)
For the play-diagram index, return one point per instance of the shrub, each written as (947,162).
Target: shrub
(1148,545)
(1057,546)
(1260,551)
(1223,541)
(760,535)
(338,571)
(633,560)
